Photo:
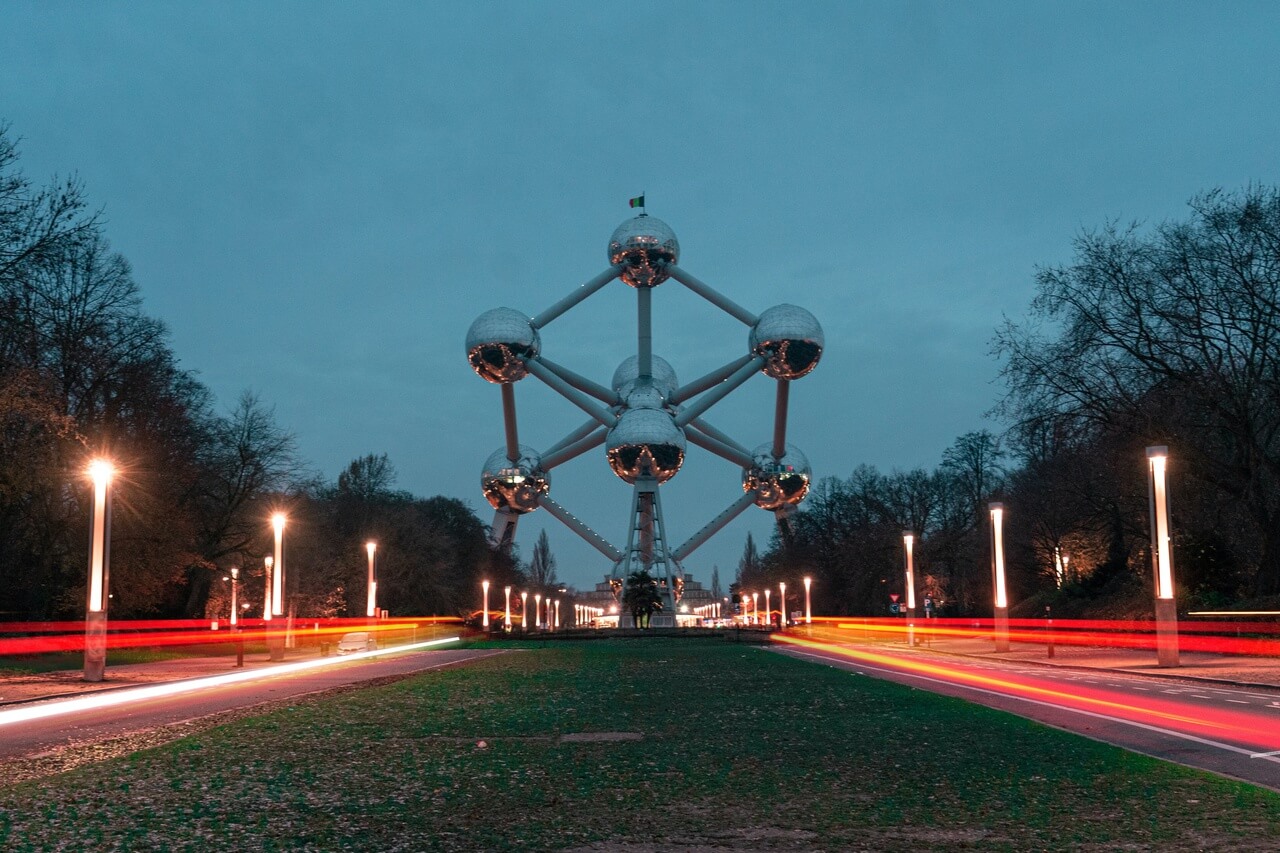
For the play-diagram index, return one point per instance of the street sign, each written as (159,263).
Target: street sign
(893,596)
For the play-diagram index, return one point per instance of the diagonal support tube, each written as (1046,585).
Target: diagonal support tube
(714,526)
(575,449)
(723,438)
(574,298)
(717,447)
(573,395)
(509,421)
(723,390)
(582,383)
(577,435)
(713,296)
(711,380)
(595,540)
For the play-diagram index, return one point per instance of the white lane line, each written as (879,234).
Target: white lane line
(1239,702)
(1143,689)
(1268,756)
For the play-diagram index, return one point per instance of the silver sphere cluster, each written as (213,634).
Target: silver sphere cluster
(645,418)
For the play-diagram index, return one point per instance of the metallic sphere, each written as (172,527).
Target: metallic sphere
(645,441)
(791,340)
(777,482)
(643,247)
(626,376)
(499,341)
(514,486)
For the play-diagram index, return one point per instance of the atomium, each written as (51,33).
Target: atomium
(644,418)
(498,342)
(644,247)
(790,339)
(777,482)
(514,486)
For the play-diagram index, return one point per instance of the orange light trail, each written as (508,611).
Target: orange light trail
(1164,715)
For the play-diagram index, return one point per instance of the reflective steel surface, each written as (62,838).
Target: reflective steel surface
(517,486)
(790,338)
(777,482)
(645,441)
(664,377)
(497,343)
(643,247)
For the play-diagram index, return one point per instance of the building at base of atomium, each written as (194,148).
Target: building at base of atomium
(644,417)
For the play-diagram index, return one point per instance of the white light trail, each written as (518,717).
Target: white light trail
(106,699)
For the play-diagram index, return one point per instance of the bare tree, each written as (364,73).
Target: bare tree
(542,564)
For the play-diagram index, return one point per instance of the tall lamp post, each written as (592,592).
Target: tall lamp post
(768,608)
(755,608)
(485,619)
(808,613)
(524,611)
(537,610)
(268,564)
(1162,559)
(95,623)
(276,643)
(997,567)
(557,614)
(782,605)
(506,622)
(235,596)
(908,542)
(371,583)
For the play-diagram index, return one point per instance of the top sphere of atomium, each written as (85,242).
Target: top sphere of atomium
(790,339)
(514,486)
(498,342)
(777,482)
(644,247)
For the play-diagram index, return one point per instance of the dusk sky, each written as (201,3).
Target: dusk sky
(318,199)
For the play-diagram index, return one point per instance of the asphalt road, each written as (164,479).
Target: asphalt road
(54,734)
(1233,731)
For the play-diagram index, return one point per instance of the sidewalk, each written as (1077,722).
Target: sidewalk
(1197,666)
(50,685)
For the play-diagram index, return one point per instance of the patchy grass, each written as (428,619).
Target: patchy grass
(738,749)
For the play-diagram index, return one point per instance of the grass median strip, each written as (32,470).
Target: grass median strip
(658,744)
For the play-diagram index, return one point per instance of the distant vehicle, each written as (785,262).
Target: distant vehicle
(356,641)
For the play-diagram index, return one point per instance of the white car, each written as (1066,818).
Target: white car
(357,641)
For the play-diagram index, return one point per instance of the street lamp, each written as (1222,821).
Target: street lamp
(506,624)
(808,614)
(524,611)
(371,586)
(269,564)
(101,472)
(1162,558)
(537,610)
(755,608)
(485,618)
(768,608)
(276,644)
(997,566)
(557,614)
(235,589)
(782,605)
(908,542)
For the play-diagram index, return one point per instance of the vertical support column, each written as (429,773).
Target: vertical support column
(780,419)
(644,312)
(509,421)
(1166,605)
(997,568)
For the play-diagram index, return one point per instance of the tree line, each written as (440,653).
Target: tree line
(1151,335)
(85,372)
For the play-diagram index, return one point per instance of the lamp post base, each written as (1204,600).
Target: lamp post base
(1167,632)
(1002,629)
(276,646)
(95,645)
